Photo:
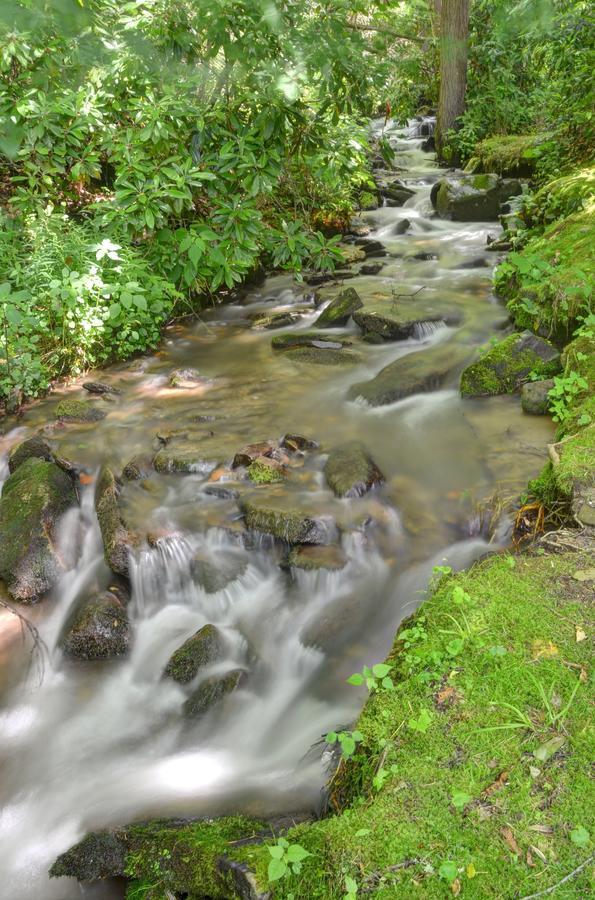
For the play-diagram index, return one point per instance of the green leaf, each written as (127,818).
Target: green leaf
(356,679)
(276,870)
(347,746)
(115,310)
(498,650)
(331,737)
(380,670)
(296,853)
(547,750)
(580,836)
(448,871)
(460,799)
(277,852)
(357,736)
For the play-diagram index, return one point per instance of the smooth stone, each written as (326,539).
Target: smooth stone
(212,691)
(313,558)
(79,411)
(293,526)
(33,448)
(534,396)
(98,629)
(339,310)
(304,339)
(324,357)
(216,576)
(202,649)
(350,471)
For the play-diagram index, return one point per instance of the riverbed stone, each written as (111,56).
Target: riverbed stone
(215,576)
(294,442)
(79,411)
(534,396)
(398,320)
(350,471)
(313,558)
(118,538)
(98,387)
(504,368)
(34,499)
(212,691)
(284,523)
(202,649)
(340,310)
(324,355)
(33,448)
(472,198)
(275,320)
(416,373)
(251,452)
(101,854)
(99,629)
(138,468)
(186,378)
(183,460)
(298,339)
(264,470)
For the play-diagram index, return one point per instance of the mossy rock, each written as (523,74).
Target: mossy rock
(507,154)
(350,471)
(214,577)
(397,321)
(34,499)
(98,629)
(275,320)
(324,356)
(534,397)
(183,461)
(416,373)
(504,368)
(312,558)
(212,691)
(340,310)
(299,339)
(99,855)
(293,526)
(266,471)
(138,468)
(472,198)
(33,448)
(202,649)
(118,538)
(80,411)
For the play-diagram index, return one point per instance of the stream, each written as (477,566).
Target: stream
(88,745)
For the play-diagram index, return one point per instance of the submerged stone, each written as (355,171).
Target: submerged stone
(350,471)
(138,468)
(251,452)
(340,310)
(213,577)
(416,373)
(97,387)
(298,339)
(98,630)
(291,525)
(80,411)
(33,448)
(212,691)
(34,499)
(503,368)
(311,558)
(202,649)
(118,538)
(275,320)
(182,460)
(396,321)
(534,397)
(186,378)
(324,355)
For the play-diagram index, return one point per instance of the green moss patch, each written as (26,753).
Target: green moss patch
(507,154)
(503,368)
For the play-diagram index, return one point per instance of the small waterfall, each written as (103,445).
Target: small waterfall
(424,330)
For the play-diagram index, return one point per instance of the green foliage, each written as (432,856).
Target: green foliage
(286,859)
(375,678)
(347,740)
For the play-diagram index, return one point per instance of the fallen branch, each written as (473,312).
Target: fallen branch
(566,878)
(370,882)
(39,645)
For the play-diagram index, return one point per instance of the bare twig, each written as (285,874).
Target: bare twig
(39,645)
(362,26)
(370,882)
(566,878)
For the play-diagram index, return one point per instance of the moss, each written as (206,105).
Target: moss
(503,368)
(79,411)
(339,310)
(304,339)
(293,526)
(507,154)
(576,459)
(324,356)
(212,691)
(182,461)
(118,538)
(350,471)
(261,471)
(200,650)
(97,630)
(34,447)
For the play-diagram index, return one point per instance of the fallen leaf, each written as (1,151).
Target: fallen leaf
(542,829)
(510,840)
(583,676)
(547,750)
(580,635)
(534,771)
(584,575)
(496,785)
(446,697)
(530,860)
(484,812)
(538,853)
(471,871)
(86,479)
(456,887)
(544,649)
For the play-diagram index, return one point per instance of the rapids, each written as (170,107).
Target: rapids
(95,744)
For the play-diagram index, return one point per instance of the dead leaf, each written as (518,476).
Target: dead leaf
(86,479)
(485,812)
(580,635)
(583,676)
(547,750)
(584,575)
(542,829)
(538,853)
(496,785)
(456,887)
(534,771)
(446,697)
(510,840)
(530,860)
(544,649)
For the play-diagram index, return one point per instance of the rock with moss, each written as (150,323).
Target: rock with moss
(350,471)
(295,442)
(213,691)
(291,525)
(340,310)
(33,448)
(534,397)
(202,649)
(312,558)
(266,471)
(471,198)
(79,411)
(99,855)
(507,365)
(300,339)
(397,321)
(215,576)
(274,320)
(34,500)
(324,354)
(416,373)
(183,460)
(98,629)
(138,468)
(118,537)
(507,154)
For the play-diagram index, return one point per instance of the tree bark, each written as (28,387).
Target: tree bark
(454,31)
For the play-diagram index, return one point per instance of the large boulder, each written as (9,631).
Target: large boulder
(202,649)
(34,499)
(472,198)
(324,355)
(504,368)
(118,538)
(212,691)
(33,448)
(350,471)
(98,629)
(416,373)
(291,525)
(79,411)
(340,310)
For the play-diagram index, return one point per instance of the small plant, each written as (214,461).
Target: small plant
(382,774)
(460,799)
(448,871)
(422,722)
(286,859)
(565,389)
(580,836)
(351,888)
(375,679)
(347,740)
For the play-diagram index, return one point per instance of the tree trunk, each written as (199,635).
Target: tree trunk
(454,30)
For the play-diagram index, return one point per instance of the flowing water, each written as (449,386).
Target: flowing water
(88,745)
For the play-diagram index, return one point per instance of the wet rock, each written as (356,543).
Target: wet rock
(97,387)
(33,448)
(80,411)
(14,401)
(118,538)
(266,471)
(98,630)
(503,368)
(416,373)
(183,461)
(315,278)
(358,227)
(352,253)
(295,442)
(397,193)
(99,855)
(340,310)
(34,499)
(275,320)
(350,471)
(371,268)
(534,396)
(186,378)
(203,649)
(500,246)
(479,262)
(250,452)
(291,525)
(212,691)
(398,321)
(321,355)
(138,468)
(402,227)
(214,577)
(371,248)
(471,198)
(222,493)
(306,339)
(429,145)
(372,338)
(313,558)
